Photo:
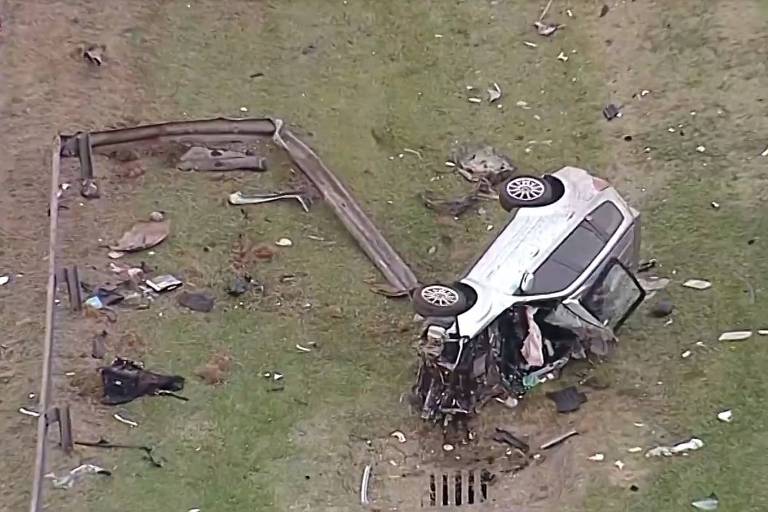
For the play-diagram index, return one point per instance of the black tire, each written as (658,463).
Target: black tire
(524,191)
(439,300)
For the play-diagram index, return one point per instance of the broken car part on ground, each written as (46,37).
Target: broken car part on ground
(555,284)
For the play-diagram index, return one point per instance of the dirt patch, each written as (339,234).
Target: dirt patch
(217,368)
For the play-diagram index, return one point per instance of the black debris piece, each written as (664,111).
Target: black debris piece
(196,301)
(663,307)
(125,380)
(99,346)
(568,399)
(604,10)
(646,265)
(239,286)
(507,437)
(453,207)
(611,111)
(149,456)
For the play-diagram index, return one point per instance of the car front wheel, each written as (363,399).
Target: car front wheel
(439,300)
(525,191)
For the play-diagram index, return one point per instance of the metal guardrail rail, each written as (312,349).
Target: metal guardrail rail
(219,130)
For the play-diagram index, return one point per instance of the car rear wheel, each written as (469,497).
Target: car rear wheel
(525,191)
(439,300)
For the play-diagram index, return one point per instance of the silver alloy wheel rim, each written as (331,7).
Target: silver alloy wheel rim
(525,189)
(439,295)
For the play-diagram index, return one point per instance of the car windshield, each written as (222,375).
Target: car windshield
(577,251)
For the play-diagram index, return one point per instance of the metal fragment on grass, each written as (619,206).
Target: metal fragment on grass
(562,57)
(534,45)
(598,457)
(128,422)
(302,348)
(711,502)
(681,448)
(735,336)
(364,485)
(725,416)
(546,29)
(474,100)
(494,92)
(697,284)
(398,435)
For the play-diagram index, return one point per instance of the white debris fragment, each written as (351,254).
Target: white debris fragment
(639,424)
(438,36)
(765,152)
(450,164)
(735,336)
(509,402)
(681,448)
(284,242)
(598,457)
(700,148)
(302,348)
(546,29)
(448,447)
(4,279)
(697,284)
(534,45)
(474,100)
(128,422)
(725,416)
(243,109)
(28,412)
(686,354)
(522,104)
(709,503)
(399,436)
(494,92)
(569,13)
(715,205)
(635,449)
(763,332)
(619,465)
(562,56)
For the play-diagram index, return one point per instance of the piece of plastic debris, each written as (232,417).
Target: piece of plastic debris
(398,435)
(715,205)
(635,449)
(94,54)
(709,503)
(302,348)
(364,485)
(196,301)
(700,149)
(115,254)
(447,447)
(4,279)
(619,465)
(546,29)
(562,57)
(639,424)
(763,332)
(68,480)
(243,109)
(284,242)
(735,336)
(143,235)
(128,422)
(94,302)
(157,216)
(29,412)
(686,354)
(494,92)
(681,448)
(559,439)
(604,10)
(510,402)
(612,111)
(474,100)
(697,284)
(567,399)
(652,284)
(725,416)
(534,45)
(663,307)
(765,152)
(163,283)
(598,457)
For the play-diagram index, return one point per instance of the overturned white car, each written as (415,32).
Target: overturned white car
(556,283)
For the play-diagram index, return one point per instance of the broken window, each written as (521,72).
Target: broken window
(614,296)
(577,251)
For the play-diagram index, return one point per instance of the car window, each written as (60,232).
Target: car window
(577,251)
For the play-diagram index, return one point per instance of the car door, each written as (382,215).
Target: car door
(613,297)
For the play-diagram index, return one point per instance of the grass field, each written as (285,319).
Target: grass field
(365,80)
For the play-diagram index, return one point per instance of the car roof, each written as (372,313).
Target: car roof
(533,233)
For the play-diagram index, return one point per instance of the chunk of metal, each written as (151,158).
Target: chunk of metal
(237,199)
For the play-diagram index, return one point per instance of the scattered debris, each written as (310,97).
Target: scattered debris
(697,284)
(559,439)
(507,437)
(94,302)
(241,285)
(646,265)
(364,485)
(686,354)
(302,348)
(4,279)
(711,502)
(604,10)
(483,164)
(612,111)
(653,283)
(115,254)
(99,345)
(725,416)
(473,99)
(68,480)
(619,465)
(29,412)
(89,189)
(163,283)
(447,447)
(715,205)
(494,92)
(735,336)
(143,235)
(205,159)
(546,29)
(125,380)
(237,199)
(387,290)
(635,449)
(284,242)
(94,54)
(451,207)
(680,448)
(197,301)
(103,443)
(215,370)
(765,152)
(598,457)
(700,149)
(567,399)
(763,332)
(509,402)
(534,45)
(399,436)
(128,422)
(663,307)
(562,57)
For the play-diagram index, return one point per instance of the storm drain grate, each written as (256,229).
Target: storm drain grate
(457,488)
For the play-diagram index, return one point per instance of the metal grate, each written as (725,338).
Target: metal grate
(469,487)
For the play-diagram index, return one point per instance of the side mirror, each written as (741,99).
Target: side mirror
(526,282)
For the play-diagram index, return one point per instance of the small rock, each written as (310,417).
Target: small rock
(157,216)
(662,308)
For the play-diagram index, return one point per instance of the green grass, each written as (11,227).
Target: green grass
(376,81)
